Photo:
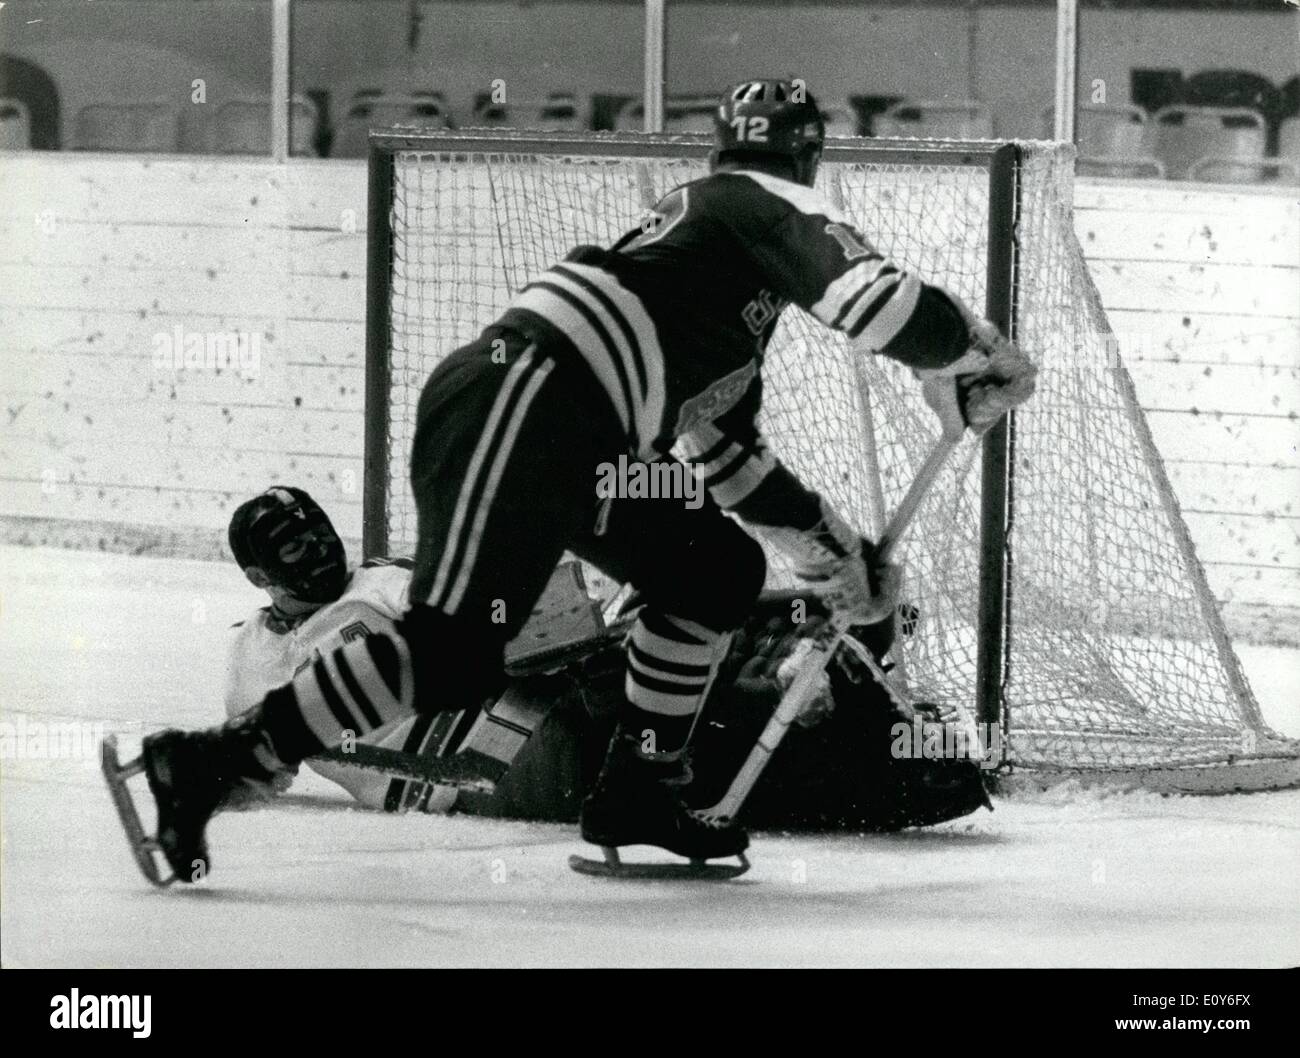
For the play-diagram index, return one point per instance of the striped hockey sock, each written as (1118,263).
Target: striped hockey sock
(671,663)
(361,686)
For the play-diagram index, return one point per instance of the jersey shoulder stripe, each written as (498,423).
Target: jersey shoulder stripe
(863,306)
(604,338)
(806,200)
(882,323)
(833,307)
(613,332)
(631,341)
(642,337)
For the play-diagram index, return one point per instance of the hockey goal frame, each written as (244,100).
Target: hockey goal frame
(1006,167)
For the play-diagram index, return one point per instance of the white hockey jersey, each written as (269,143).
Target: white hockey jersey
(265,654)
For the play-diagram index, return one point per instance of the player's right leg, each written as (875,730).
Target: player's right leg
(698,574)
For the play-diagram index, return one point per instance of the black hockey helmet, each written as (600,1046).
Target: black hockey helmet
(286,534)
(770,120)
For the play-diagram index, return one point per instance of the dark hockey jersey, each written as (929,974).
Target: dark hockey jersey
(674,318)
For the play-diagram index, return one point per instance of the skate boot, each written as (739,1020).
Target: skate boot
(637,800)
(193,774)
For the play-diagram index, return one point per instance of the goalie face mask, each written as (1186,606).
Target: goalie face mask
(286,534)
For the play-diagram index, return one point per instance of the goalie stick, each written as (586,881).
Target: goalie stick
(804,687)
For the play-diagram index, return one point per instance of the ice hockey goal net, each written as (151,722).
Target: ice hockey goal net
(1055,586)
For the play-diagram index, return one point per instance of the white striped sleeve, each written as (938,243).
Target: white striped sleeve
(731,471)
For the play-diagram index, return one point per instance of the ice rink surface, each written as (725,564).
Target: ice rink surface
(127,645)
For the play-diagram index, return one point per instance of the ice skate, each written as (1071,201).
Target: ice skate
(637,801)
(192,775)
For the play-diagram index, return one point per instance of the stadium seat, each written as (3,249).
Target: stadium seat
(694,113)
(688,120)
(127,127)
(630,117)
(840,121)
(243,126)
(1242,171)
(684,113)
(1111,131)
(1112,141)
(926,119)
(690,113)
(557,113)
(368,111)
(15,125)
(1288,139)
(1186,134)
(419,95)
(1235,88)
(1125,168)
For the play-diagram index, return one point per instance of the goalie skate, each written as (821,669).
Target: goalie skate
(144,849)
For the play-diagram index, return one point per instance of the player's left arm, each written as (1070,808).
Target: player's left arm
(744,477)
(970,373)
(731,458)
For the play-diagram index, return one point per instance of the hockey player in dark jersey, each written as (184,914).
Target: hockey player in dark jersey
(652,346)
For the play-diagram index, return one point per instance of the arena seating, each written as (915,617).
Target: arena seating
(694,113)
(1244,171)
(1113,140)
(962,120)
(840,120)
(1288,139)
(243,126)
(133,126)
(559,112)
(373,110)
(1184,135)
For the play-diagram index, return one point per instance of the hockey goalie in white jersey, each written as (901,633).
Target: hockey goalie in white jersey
(286,545)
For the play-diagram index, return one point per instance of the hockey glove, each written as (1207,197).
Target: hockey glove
(975,391)
(844,568)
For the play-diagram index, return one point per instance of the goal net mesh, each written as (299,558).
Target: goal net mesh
(1116,656)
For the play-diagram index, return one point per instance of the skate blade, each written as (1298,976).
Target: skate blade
(142,846)
(612,866)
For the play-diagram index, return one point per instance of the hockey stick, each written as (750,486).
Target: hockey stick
(463,772)
(805,685)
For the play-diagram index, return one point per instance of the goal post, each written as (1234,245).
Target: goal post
(1050,572)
